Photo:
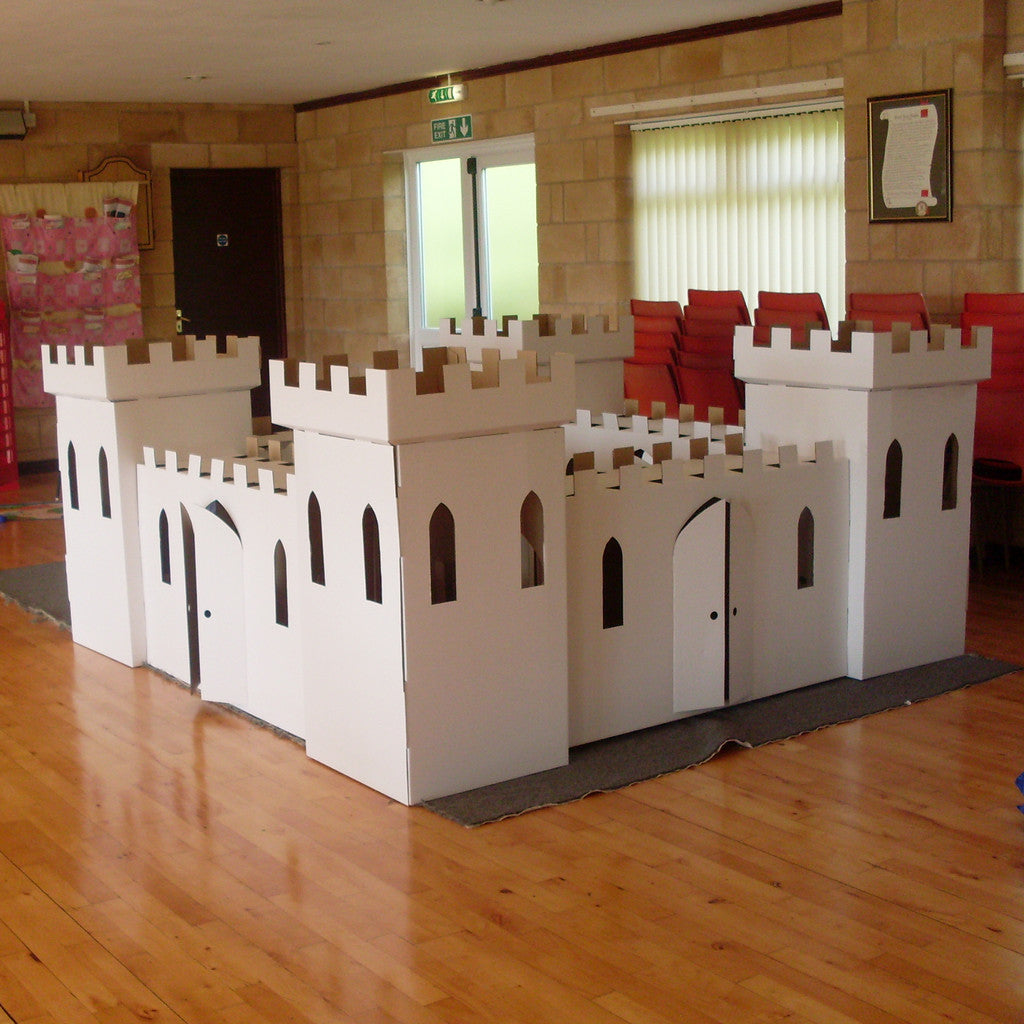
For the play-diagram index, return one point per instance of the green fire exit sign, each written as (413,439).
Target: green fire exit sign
(447,93)
(452,129)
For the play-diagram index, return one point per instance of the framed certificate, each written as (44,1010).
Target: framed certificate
(910,157)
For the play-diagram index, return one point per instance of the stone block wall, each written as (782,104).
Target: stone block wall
(73,137)
(351,183)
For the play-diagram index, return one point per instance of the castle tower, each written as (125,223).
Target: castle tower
(110,403)
(900,407)
(434,602)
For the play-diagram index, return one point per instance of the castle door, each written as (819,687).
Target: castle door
(711,613)
(215,608)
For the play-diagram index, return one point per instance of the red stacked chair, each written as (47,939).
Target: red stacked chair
(705,367)
(650,375)
(883,309)
(999,426)
(799,311)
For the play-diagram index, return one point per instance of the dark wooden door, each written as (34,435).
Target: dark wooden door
(229,258)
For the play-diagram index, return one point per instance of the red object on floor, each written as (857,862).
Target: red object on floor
(8,453)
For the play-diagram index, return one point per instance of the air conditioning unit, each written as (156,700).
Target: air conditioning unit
(13,124)
(1013,65)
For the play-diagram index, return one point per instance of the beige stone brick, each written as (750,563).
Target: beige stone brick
(209,124)
(150,126)
(366,114)
(881,276)
(689,63)
(857,235)
(410,106)
(591,201)
(639,69)
(969,119)
(366,181)
(309,188)
(320,219)
(867,75)
(180,154)
(334,185)
(752,52)
(856,188)
(593,283)
(163,289)
(579,78)
(882,241)
(305,126)
(12,161)
(237,155)
(855,26)
(552,289)
(369,282)
(528,88)
(924,22)
(271,124)
(485,93)
(561,243)
(816,42)
(371,247)
(89,123)
(282,154)
(499,124)
(328,122)
(55,163)
(320,154)
(559,115)
(941,241)
(355,215)
(559,162)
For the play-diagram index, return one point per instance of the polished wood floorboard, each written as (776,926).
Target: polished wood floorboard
(164,860)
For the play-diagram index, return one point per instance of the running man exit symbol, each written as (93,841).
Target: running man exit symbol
(452,129)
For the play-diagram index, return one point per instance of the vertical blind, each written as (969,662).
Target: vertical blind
(755,204)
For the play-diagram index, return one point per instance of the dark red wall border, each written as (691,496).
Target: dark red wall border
(687,35)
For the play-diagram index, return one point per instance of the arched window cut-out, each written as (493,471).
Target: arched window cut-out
(611,584)
(316,541)
(805,550)
(442,556)
(950,470)
(72,476)
(165,548)
(280,585)
(531,544)
(104,485)
(893,482)
(371,556)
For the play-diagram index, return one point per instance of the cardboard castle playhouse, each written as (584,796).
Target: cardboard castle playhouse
(443,579)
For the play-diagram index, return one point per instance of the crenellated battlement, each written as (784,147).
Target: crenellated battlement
(586,338)
(448,398)
(864,360)
(607,434)
(158,369)
(629,471)
(262,474)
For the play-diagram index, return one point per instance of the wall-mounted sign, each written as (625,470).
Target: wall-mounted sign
(452,129)
(447,94)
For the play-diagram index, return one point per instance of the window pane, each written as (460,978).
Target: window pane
(444,287)
(510,197)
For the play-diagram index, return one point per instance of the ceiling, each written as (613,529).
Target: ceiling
(290,51)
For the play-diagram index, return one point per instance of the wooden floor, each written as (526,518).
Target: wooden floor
(164,860)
